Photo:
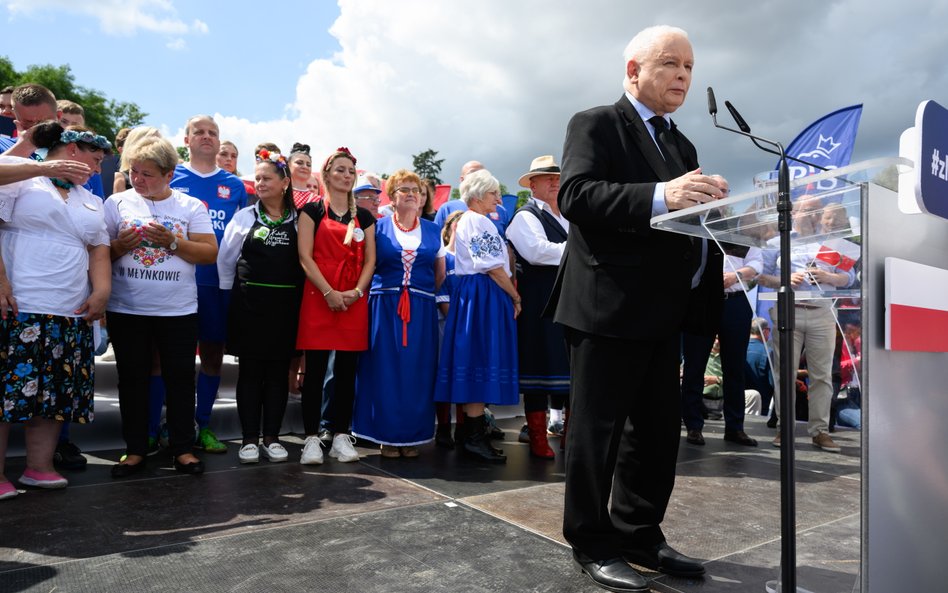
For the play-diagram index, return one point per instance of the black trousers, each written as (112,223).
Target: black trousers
(262,388)
(734,335)
(343,397)
(175,338)
(624,432)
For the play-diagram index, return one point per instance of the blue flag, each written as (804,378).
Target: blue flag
(827,142)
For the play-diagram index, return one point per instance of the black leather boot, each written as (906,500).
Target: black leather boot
(477,443)
(443,436)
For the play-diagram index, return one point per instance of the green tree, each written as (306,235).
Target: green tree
(103,115)
(183,153)
(127,115)
(8,75)
(522,197)
(455,194)
(427,166)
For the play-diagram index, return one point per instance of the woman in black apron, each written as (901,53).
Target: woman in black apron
(258,258)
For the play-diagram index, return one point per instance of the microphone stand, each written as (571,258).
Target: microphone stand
(786,324)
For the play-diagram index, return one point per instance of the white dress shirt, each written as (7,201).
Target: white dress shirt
(526,234)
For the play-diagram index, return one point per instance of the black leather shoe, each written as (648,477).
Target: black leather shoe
(666,559)
(695,437)
(195,467)
(123,470)
(613,575)
(740,437)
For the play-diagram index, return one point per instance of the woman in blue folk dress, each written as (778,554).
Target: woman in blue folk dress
(395,383)
(478,361)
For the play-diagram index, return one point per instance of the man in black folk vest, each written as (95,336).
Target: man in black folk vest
(624,292)
(538,234)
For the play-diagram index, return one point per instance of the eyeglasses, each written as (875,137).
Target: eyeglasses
(409,190)
(373,199)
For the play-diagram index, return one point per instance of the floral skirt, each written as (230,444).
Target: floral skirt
(46,368)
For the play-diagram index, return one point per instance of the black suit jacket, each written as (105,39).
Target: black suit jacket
(619,277)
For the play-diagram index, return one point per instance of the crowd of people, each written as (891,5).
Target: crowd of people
(298,273)
(386,318)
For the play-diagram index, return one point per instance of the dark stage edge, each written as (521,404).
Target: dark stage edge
(437,523)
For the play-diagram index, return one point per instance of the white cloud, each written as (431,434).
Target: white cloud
(177,44)
(119,18)
(497,81)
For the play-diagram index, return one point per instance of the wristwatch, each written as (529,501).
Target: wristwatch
(359,292)
(174,244)
(739,275)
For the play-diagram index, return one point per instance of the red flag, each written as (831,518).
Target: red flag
(840,253)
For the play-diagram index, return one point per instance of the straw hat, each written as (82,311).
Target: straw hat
(542,165)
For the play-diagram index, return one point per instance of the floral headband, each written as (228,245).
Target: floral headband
(341,151)
(71,136)
(273,157)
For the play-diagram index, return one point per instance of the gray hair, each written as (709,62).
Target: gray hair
(758,325)
(645,40)
(477,184)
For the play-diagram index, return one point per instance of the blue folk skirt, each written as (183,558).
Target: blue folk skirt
(478,362)
(394,402)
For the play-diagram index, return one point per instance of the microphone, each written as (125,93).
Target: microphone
(745,130)
(737,118)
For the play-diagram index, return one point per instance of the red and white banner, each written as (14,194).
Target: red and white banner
(840,253)
(916,307)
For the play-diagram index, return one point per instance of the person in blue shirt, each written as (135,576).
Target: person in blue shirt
(500,218)
(224,194)
(757,366)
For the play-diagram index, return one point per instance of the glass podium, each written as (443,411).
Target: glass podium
(827,234)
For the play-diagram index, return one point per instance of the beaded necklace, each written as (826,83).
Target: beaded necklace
(273,223)
(399,226)
(62,184)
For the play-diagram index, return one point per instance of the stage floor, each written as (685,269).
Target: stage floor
(438,523)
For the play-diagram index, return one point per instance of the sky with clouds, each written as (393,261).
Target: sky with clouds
(493,80)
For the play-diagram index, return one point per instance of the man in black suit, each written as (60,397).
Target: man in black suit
(624,291)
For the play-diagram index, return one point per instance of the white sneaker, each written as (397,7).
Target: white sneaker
(342,448)
(275,452)
(312,451)
(249,454)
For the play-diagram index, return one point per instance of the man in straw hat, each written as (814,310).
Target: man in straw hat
(538,234)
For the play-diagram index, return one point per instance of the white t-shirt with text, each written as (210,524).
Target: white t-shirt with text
(152,280)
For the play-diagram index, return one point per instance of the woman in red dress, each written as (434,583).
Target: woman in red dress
(337,252)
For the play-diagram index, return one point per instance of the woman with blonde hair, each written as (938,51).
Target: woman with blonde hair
(159,235)
(337,252)
(123,182)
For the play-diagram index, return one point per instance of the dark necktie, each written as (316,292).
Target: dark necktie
(665,138)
